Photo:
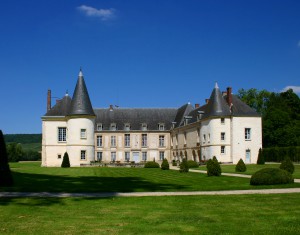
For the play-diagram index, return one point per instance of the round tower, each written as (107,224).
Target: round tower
(80,125)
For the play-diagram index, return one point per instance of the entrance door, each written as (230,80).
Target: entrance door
(248,156)
(136,156)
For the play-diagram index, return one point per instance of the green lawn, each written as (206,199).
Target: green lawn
(252,168)
(239,214)
(30,177)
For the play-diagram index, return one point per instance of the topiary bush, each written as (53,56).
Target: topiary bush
(184,167)
(213,167)
(287,165)
(6,179)
(66,162)
(260,158)
(165,165)
(151,165)
(192,164)
(270,176)
(240,166)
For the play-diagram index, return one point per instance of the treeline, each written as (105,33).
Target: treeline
(278,154)
(23,138)
(280,115)
(16,153)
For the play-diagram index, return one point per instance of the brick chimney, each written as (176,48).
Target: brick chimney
(206,101)
(48,100)
(111,107)
(229,96)
(197,106)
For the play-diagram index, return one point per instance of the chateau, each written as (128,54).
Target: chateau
(224,127)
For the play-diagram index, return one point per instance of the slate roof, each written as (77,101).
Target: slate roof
(135,117)
(181,113)
(61,108)
(81,104)
(241,109)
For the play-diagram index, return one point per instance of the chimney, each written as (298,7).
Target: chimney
(229,96)
(224,93)
(111,108)
(206,101)
(197,106)
(48,100)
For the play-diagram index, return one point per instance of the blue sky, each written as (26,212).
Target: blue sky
(141,53)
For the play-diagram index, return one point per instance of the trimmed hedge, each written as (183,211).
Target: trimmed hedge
(260,158)
(278,154)
(287,165)
(66,162)
(271,176)
(165,165)
(151,165)
(192,164)
(184,167)
(240,166)
(213,167)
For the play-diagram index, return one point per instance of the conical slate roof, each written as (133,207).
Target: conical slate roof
(217,106)
(81,104)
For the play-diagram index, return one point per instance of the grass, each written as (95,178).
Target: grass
(239,214)
(30,177)
(252,168)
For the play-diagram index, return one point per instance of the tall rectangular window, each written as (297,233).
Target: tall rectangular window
(144,140)
(113,141)
(82,155)
(113,156)
(222,136)
(127,140)
(62,134)
(161,141)
(99,156)
(127,156)
(99,140)
(144,156)
(222,149)
(204,138)
(247,133)
(82,133)
(161,155)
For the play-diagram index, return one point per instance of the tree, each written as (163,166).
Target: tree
(260,158)
(213,167)
(66,161)
(165,165)
(6,179)
(184,167)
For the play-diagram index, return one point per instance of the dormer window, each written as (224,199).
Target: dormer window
(144,126)
(186,119)
(127,127)
(161,126)
(173,124)
(99,127)
(113,126)
(200,115)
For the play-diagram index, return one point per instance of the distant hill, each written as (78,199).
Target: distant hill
(23,138)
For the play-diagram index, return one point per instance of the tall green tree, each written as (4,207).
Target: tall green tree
(66,161)
(6,178)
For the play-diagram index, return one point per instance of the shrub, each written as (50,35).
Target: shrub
(260,158)
(192,164)
(184,167)
(6,178)
(213,167)
(174,163)
(240,166)
(66,161)
(287,165)
(270,176)
(151,165)
(165,165)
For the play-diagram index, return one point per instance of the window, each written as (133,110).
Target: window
(222,149)
(204,138)
(144,126)
(59,156)
(82,155)
(113,126)
(127,127)
(161,126)
(144,156)
(176,137)
(247,133)
(161,141)
(222,120)
(222,136)
(99,156)
(99,140)
(144,140)
(113,141)
(208,138)
(62,134)
(161,155)
(113,156)
(99,127)
(184,138)
(198,135)
(127,156)
(127,140)
(82,133)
